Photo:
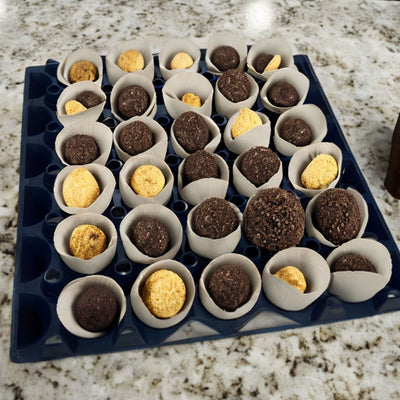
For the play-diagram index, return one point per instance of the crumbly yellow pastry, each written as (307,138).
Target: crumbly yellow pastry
(164,293)
(131,60)
(87,241)
(274,63)
(246,120)
(293,276)
(191,99)
(147,180)
(83,71)
(80,188)
(320,173)
(181,60)
(74,107)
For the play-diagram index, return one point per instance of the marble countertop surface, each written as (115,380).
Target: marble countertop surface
(354,47)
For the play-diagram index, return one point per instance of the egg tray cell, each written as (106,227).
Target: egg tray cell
(40,275)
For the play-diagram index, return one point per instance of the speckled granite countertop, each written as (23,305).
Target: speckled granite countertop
(355,50)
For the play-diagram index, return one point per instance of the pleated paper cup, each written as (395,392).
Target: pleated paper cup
(141,310)
(303,157)
(298,80)
(314,268)
(68,296)
(114,72)
(356,286)
(159,213)
(255,281)
(84,54)
(187,82)
(170,48)
(159,148)
(309,113)
(101,133)
(104,178)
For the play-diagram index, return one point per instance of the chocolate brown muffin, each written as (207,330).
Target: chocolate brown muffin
(259,164)
(229,286)
(336,215)
(353,262)
(89,99)
(81,149)
(132,101)
(225,57)
(191,131)
(214,218)
(296,131)
(274,219)
(262,61)
(234,85)
(199,165)
(135,138)
(283,94)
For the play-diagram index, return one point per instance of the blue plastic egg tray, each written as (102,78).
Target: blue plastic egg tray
(40,275)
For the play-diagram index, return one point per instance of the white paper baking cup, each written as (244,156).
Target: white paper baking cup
(160,137)
(70,93)
(197,191)
(187,82)
(130,198)
(215,138)
(226,38)
(212,248)
(114,72)
(170,48)
(258,136)
(298,80)
(302,158)
(141,310)
(247,266)
(101,133)
(245,187)
(315,233)
(129,80)
(70,293)
(356,286)
(312,115)
(153,211)
(62,235)
(83,54)
(104,178)
(273,46)
(314,268)
(227,108)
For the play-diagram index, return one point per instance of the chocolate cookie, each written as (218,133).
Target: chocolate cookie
(132,101)
(150,236)
(135,138)
(296,131)
(234,85)
(81,149)
(191,131)
(283,94)
(262,61)
(274,219)
(259,164)
(199,165)
(214,218)
(89,99)
(229,286)
(225,57)
(353,262)
(336,215)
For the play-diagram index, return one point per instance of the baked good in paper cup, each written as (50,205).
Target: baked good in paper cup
(132,56)
(202,175)
(315,168)
(131,138)
(298,127)
(84,143)
(79,301)
(187,83)
(352,281)
(84,188)
(151,232)
(229,286)
(81,65)
(175,288)
(285,291)
(76,237)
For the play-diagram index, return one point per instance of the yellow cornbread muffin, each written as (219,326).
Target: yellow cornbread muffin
(83,71)
(164,293)
(191,99)
(293,276)
(181,60)
(87,241)
(147,181)
(74,107)
(320,173)
(246,120)
(131,60)
(80,188)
